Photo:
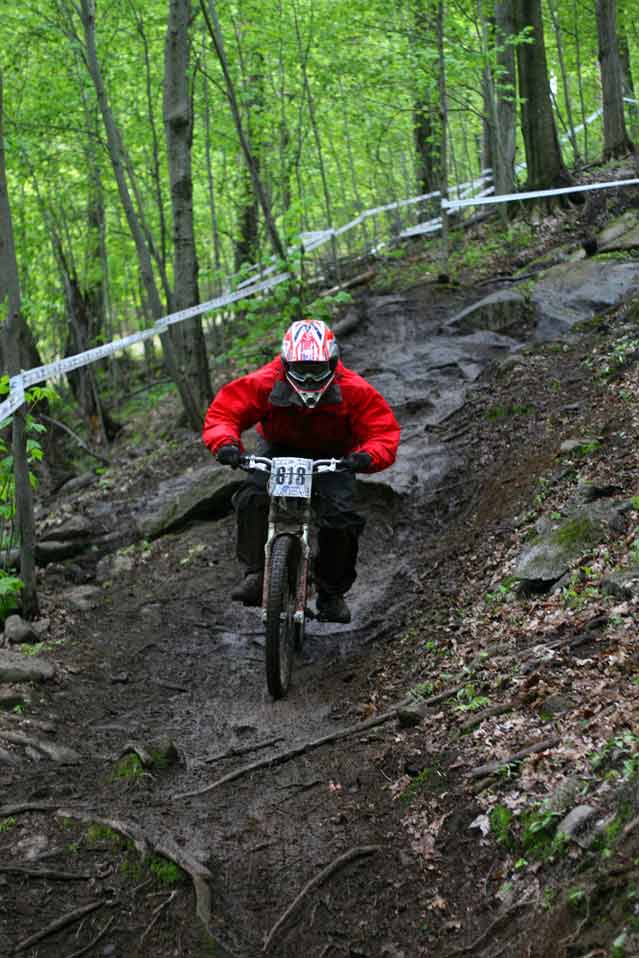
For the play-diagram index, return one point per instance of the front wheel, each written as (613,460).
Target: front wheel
(280,611)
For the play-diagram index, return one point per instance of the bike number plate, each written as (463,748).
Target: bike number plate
(291,477)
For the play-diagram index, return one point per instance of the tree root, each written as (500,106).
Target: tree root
(290,753)
(51,873)
(491,767)
(314,883)
(494,925)
(92,944)
(58,924)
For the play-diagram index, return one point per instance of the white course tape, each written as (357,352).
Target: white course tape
(535,194)
(24,380)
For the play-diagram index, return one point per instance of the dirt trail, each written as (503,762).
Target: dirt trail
(164,654)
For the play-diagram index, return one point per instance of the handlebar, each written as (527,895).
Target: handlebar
(263,464)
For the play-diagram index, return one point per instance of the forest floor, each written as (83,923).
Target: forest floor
(390,839)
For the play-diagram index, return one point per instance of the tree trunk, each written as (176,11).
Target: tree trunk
(544,162)
(630,97)
(426,129)
(554,15)
(191,409)
(616,139)
(15,331)
(215,32)
(188,337)
(505,100)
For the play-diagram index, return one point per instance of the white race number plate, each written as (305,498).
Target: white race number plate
(291,477)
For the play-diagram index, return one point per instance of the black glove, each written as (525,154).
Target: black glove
(358,462)
(229,456)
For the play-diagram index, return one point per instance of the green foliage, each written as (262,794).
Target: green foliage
(7,824)
(501,821)
(127,768)
(98,834)
(468,700)
(423,690)
(166,872)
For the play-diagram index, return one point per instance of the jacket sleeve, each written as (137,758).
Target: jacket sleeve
(237,406)
(374,426)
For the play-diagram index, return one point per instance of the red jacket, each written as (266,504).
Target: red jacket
(351,416)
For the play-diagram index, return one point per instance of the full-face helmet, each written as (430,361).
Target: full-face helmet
(309,355)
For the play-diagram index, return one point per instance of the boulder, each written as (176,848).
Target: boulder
(203,493)
(15,667)
(77,527)
(16,631)
(503,311)
(622,585)
(83,597)
(582,526)
(574,292)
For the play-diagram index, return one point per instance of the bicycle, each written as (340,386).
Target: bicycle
(288,554)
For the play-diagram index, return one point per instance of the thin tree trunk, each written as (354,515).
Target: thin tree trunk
(554,16)
(210,181)
(213,24)
(544,162)
(616,139)
(14,330)
(191,409)
(178,124)
(443,123)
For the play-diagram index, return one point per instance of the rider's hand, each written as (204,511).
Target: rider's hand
(229,456)
(358,462)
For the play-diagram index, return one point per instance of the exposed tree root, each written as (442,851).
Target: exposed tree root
(314,883)
(290,754)
(58,924)
(51,873)
(494,925)
(491,767)
(93,943)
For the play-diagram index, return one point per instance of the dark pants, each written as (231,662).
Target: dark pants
(339,526)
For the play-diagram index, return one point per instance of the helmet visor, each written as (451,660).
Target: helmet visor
(309,374)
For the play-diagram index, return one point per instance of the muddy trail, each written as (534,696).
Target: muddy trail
(185,796)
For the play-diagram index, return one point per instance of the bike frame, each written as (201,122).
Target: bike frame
(289,516)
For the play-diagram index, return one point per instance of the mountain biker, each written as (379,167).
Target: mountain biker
(305,403)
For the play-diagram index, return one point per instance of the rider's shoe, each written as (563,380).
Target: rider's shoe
(249,590)
(332,608)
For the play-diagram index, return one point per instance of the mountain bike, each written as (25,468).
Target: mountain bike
(288,559)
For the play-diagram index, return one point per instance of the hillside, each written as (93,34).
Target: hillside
(454,773)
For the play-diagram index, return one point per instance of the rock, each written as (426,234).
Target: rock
(574,292)
(589,491)
(622,585)
(503,311)
(55,550)
(409,716)
(12,696)
(113,565)
(16,631)
(79,482)
(581,527)
(77,527)
(15,667)
(204,493)
(573,445)
(575,822)
(622,232)
(83,598)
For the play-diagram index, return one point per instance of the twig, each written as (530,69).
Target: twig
(156,914)
(59,923)
(314,883)
(80,442)
(101,934)
(491,767)
(480,717)
(49,873)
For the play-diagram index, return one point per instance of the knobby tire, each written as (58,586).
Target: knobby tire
(280,627)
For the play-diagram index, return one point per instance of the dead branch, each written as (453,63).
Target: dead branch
(51,873)
(480,717)
(89,947)
(156,914)
(491,767)
(355,281)
(76,438)
(290,754)
(314,883)
(58,924)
